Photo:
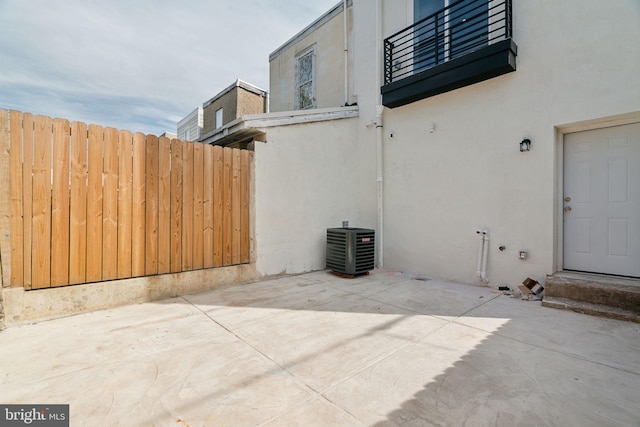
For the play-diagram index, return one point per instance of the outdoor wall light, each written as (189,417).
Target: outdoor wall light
(525,145)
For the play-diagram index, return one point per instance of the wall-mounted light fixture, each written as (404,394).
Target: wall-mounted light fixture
(525,145)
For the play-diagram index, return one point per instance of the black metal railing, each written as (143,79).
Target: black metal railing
(460,28)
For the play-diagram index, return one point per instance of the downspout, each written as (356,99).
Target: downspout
(346,53)
(379,135)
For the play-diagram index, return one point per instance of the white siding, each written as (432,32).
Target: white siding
(190,127)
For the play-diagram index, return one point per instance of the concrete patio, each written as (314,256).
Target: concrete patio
(317,350)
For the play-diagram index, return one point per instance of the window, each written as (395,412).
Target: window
(443,34)
(187,135)
(305,79)
(219,118)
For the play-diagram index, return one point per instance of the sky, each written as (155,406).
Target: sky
(139,65)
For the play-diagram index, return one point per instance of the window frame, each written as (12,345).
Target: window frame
(219,118)
(308,52)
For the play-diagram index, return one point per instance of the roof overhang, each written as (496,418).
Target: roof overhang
(254,126)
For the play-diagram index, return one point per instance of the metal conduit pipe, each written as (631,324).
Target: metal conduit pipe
(346,53)
(379,137)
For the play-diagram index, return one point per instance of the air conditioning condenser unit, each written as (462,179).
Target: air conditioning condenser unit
(350,250)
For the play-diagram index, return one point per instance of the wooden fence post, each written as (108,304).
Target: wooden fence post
(5,242)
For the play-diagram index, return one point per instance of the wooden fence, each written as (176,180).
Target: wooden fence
(88,204)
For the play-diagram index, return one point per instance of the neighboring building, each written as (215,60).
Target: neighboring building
(235,101)
(448,98)
(308,70)
(169,135)
(190,128)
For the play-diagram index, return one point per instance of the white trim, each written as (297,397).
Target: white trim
(237,83)
(195,113)
(260,122)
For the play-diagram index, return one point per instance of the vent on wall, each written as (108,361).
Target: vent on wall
(350,250)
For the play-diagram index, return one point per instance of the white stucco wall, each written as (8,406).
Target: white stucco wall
(304,184)
(577,61)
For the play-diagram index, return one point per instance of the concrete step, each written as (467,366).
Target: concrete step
(592,309)
(599,295)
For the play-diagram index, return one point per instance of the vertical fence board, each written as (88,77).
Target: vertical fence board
(227,217)
(164,212)
(125,203)
(235,207)
(27,192)
(78,204)
(5,208)
(110,206)
(176,206)
(94,204)
(207,204)
(218,204)
(187,206)
(244,206)
(60,203)
(198,208)
(138,214)
(152,183)
(41,247)
(15,179)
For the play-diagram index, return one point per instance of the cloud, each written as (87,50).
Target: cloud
(138,64)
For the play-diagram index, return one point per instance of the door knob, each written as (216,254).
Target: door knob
(567,199)
(567,209)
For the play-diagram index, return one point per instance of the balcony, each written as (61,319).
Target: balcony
(467,42)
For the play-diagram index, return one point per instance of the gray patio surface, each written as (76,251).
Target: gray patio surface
(317,350)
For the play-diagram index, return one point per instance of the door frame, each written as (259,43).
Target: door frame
(558,202)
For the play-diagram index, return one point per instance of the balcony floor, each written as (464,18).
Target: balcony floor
(315,349)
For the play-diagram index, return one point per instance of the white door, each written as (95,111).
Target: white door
(602,200)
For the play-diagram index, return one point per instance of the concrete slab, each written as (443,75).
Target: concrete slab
(316,349)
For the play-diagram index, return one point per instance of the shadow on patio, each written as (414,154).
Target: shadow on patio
(314,349)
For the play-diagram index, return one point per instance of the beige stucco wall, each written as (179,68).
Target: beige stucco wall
(576,62)
(329,46)
(305,183)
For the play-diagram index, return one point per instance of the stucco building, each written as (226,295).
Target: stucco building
(236,100)
(492,140)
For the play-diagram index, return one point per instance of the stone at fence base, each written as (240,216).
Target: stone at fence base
(27,306)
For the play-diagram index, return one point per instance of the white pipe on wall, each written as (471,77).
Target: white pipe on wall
(379,137)
(346,53)
(483,254)
(480,249)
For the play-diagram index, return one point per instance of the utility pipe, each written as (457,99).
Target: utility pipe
(379,136)
(483,253)
(480,250)
(346,53)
